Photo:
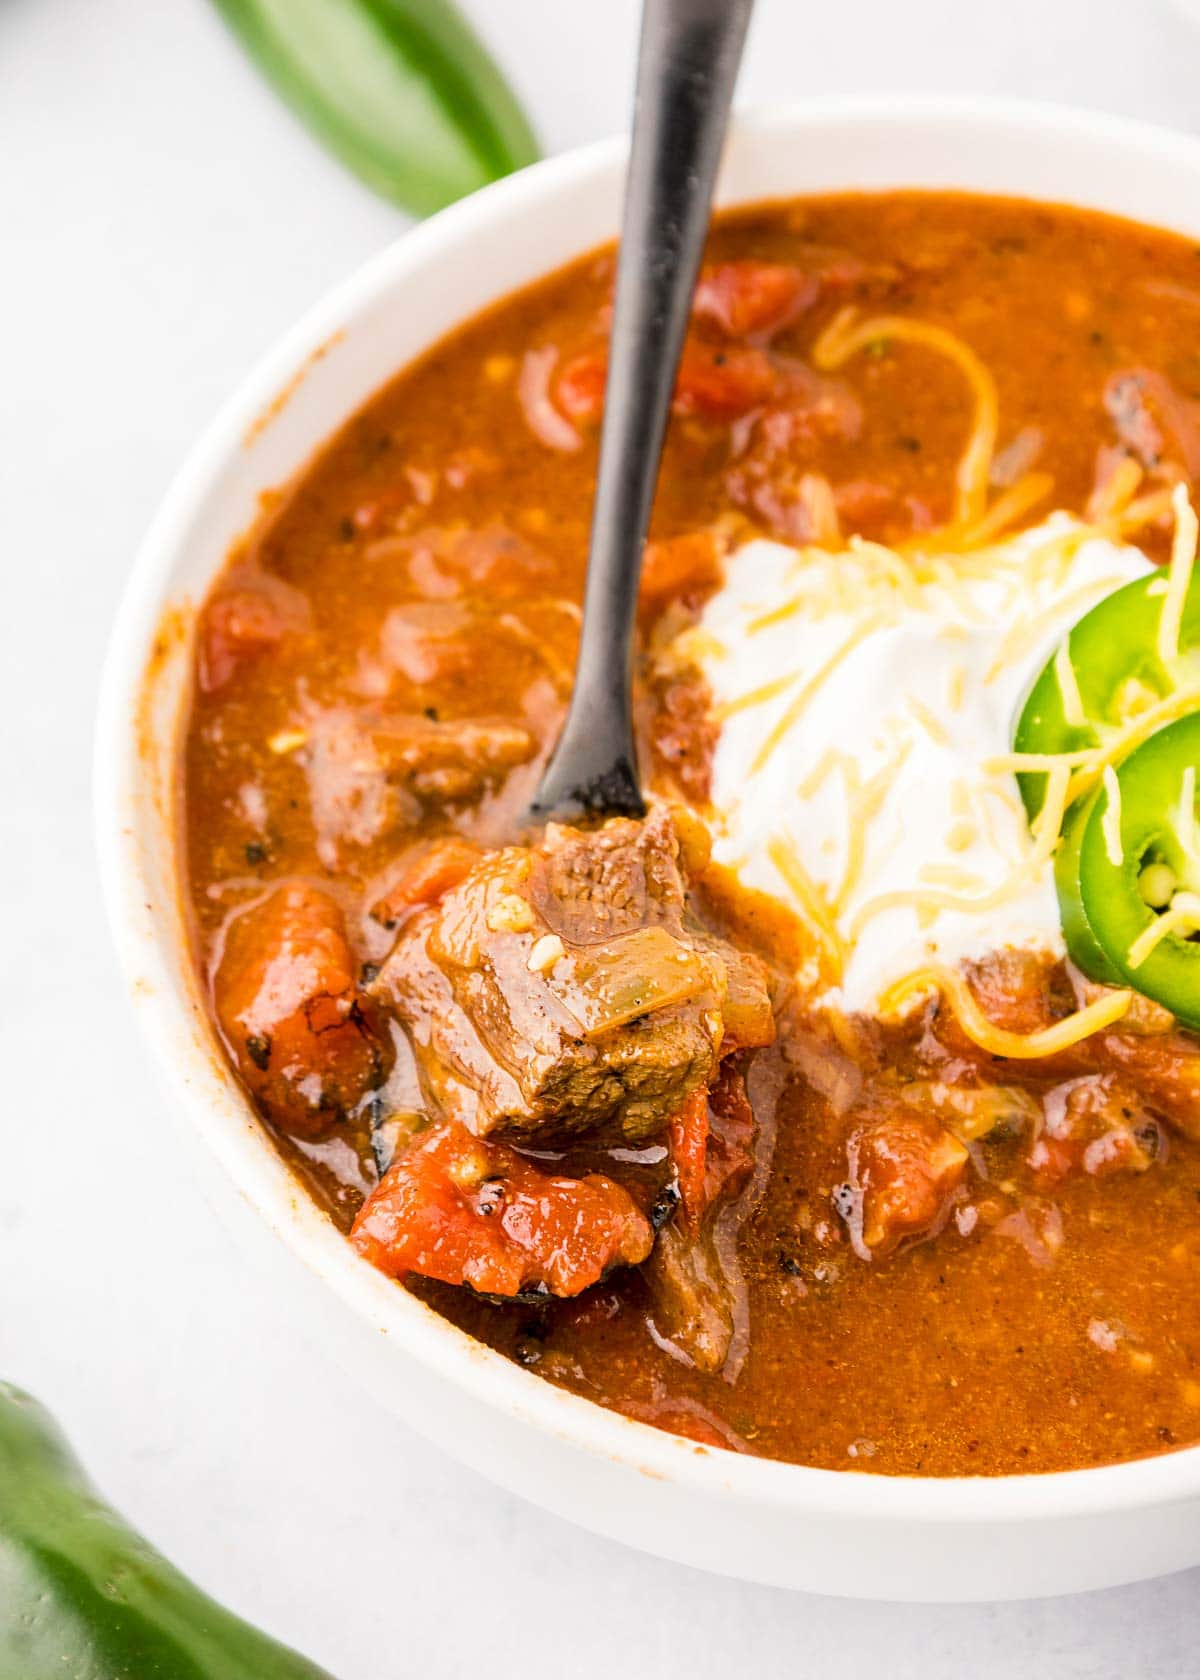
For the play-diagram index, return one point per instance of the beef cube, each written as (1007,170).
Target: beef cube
(559,990)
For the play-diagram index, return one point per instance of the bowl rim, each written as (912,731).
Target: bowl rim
(230,1131)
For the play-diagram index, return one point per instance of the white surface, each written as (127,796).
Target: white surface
(161,220)
(936,653)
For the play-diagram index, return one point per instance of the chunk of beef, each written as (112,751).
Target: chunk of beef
(692,1296)
(560,990)
(302,1033)
(467,1212)
(903,1171)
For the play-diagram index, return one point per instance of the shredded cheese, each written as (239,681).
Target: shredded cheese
(1121,743)
(1179,575)
(956,686)
(829,761)
(846,334)
(808,688)
(1182,915)
(834,662)
(1115,496)
(1110,821)
(1068,686)
(863,800)
(812,903)
(950,875)
(1004,511)
(756,697)
(1028,632)
(924,716)
(1148,508)
(999,1041)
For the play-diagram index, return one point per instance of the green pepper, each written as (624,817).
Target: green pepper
(1141,862)
(1084,949)
(82,1597)
(402,90)
(1113,651)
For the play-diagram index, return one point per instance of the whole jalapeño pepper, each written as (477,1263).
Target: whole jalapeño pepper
(402,91)
(83,1597)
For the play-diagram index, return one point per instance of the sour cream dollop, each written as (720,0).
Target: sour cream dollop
(863,696)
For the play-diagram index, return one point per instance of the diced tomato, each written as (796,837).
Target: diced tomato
(1095,1124)
(678,566)
(428,872)
(1165,1068)
(237,626)
(904,1169)
(579,390)
(749,297)
(468,1212)
(714,382)
(720,384)
(688,1143)
(711,1140)
(288,1001)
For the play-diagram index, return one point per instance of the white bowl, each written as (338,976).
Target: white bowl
(830,1531)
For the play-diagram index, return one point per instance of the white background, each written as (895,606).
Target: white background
(162,219)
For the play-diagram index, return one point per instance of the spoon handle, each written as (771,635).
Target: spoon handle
(687,67)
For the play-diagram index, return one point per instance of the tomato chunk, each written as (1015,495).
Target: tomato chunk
(753,297)
(1165,1069)
(1095,1124)
(711,1141)
(904,1169)
(580,388)
(464,1211)
(428,872)
(714,382)
(289,1004)
(688,1142)
(721,384)
(237,627)
(678,566)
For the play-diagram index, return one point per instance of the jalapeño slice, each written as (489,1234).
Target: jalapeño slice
(1084,949)
(1113,655)
(1139,869)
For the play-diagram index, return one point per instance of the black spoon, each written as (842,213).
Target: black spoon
(687,66)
